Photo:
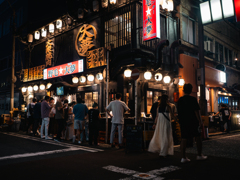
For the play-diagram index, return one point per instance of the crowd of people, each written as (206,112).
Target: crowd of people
(51,121)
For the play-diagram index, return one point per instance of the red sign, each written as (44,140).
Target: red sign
(237,9)
(135,74)
(151,19)
(64,69)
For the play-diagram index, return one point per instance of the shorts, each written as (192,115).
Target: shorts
(190,131)
(79,124)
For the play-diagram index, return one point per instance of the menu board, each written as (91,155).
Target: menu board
(134,138)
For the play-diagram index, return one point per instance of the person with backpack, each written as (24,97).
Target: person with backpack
(226,115)
(30,113)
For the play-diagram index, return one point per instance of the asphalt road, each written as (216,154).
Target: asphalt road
(24,157)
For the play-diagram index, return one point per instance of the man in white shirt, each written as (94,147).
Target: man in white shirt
(117,107)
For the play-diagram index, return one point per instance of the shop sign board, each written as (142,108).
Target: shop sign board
(33,73)
(135,74)
(64,69)
(96,58)
(151,20)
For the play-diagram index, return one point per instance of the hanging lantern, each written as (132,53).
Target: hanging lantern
(35,87)
(148,75)
(30,88)
(90,77)
(49,85)
(181,82)
(30,38)
(95,6)
(42,86)
(113,1)
(37,35)
(51,28)
(99,76)
(158,76)
(44,32)
(24,89)
(127,73)
(82,79)
(104,3)
(59,24)
(75,80)
(167,79)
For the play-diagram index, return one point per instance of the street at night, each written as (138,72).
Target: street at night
(24,157)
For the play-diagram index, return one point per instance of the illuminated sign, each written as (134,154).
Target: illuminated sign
(151,19)
(49,52)
(96,58)
(84,40)
(237,9)
(64,69)
(33,73)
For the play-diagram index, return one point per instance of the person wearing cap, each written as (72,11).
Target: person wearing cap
(94,117)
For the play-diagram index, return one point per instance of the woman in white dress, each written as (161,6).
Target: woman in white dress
(162,141)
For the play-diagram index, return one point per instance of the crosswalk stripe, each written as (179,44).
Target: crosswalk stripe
(54,143)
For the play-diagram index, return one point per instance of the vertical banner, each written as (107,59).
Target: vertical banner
(151,20)
(237,9)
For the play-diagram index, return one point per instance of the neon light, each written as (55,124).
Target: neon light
(237,9)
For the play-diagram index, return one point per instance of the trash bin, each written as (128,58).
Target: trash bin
(16,125)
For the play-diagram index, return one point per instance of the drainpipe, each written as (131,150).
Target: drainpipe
(160,46)
(172,54)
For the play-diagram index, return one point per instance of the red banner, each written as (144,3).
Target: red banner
(151,19)
(64,69)
(237,9)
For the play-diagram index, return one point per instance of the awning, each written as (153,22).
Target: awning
(214,77)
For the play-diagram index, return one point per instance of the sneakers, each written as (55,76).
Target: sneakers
(79,142)
(48,137)
(57,140)
(185,160)
(42,137)
(202,157)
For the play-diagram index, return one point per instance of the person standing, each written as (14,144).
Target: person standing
(45,110)
(190,122)
(154,107)
(226,115)
(80,111)
(52,122)
(37,116)
(30,113)
(117,107)
(93,116)
(86,128)
(59,117)
(162,141)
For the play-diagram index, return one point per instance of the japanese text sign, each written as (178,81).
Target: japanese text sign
(96,58)
(151,19)
(64,69)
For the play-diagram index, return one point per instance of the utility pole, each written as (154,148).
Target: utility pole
(202,101)
(13,59)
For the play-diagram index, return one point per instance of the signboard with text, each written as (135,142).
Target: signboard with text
(64,69)
(151,19)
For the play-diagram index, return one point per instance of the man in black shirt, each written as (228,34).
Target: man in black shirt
(190,122)
(94,117)
(153,110)
(226,115)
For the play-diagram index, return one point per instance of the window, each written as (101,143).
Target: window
(90,98)
(188,30)
(230,57)
(216,51)
(118,30)
(226,60)
(221,53)
(6,27)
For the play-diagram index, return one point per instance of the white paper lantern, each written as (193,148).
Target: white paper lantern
(99,76)
(127,73)
(75,80)
(181,82)
(167,79)
(44,32)
(30,38)
(42,86)
(24,89)
(90,77)
(37,35)
(158,76)
(104,3)
(35,87)
(49,85)
(82,79)
(30,89)
(148,75)
(59,24)
(51,28)
(113,1)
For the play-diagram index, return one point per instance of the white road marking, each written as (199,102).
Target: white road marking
(84,148)
(38,153)
(154,174)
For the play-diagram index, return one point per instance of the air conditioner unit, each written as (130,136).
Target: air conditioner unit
(209,46)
